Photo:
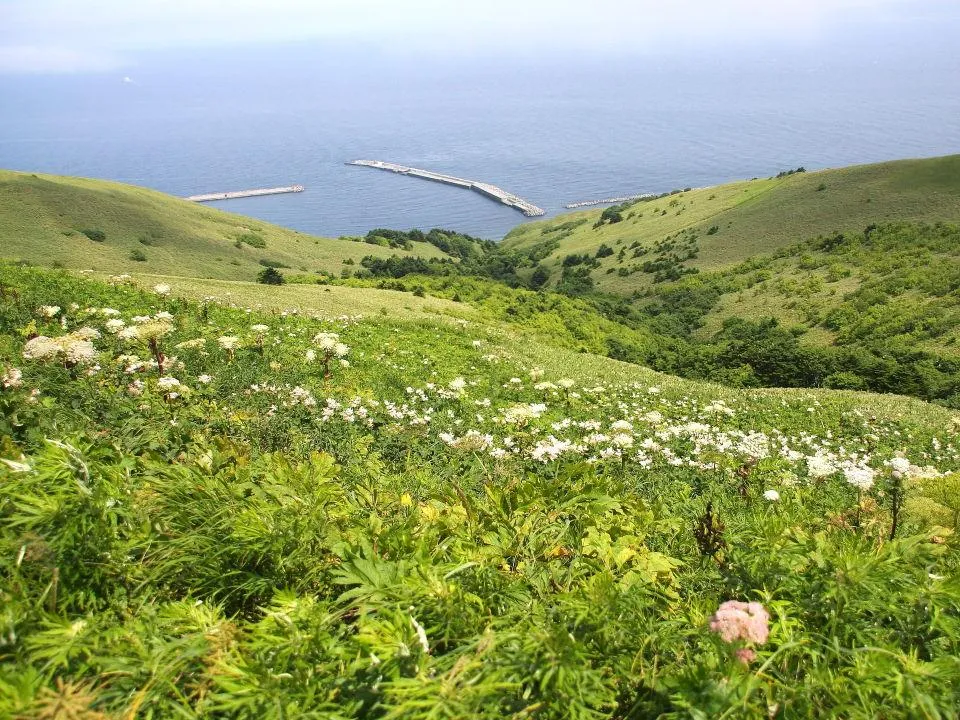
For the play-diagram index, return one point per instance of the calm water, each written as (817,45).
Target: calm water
(551,131)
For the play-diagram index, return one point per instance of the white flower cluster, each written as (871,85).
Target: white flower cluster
(73,348)
(11,379)
(330,344)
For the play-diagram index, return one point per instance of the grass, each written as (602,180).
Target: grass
(205,514)
(43,219)
(757,216)
(328,301)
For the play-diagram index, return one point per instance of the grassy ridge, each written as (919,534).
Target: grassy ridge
(752,217)
(42,218)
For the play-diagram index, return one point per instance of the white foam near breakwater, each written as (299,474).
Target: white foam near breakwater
(610,201)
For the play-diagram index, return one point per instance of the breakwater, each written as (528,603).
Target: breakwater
(610,201)
(207,197)
(491,191)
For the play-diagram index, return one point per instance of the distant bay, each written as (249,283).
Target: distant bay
(551,131)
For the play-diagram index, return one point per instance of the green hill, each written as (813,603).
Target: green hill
(43,219)
(724,225)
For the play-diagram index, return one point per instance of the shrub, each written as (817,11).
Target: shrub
(252,240)
(270,276)
(95,235)
(138,256)
(267,262)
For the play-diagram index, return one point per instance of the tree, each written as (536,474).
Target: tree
(270,276)
(539,278)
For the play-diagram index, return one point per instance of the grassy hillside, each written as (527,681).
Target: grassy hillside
(42,219)
(211,512)
(721,226)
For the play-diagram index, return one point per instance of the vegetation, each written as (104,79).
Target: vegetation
(50,220)
(209,511)
(752,218)
(270,276)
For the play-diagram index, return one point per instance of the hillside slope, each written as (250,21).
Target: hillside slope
(42,219)
(718,227)
(209,512)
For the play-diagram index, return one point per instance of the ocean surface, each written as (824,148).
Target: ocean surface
(552,130)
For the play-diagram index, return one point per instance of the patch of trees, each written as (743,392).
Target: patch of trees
(787,173)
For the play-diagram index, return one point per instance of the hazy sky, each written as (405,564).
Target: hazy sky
(52,36)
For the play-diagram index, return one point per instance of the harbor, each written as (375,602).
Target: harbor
(491,191)
(208,197)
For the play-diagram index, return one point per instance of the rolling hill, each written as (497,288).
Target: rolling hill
(43,219)
(719,227)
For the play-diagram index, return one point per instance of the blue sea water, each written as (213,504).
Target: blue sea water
(552,130)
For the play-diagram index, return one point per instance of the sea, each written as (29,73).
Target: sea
(552,128)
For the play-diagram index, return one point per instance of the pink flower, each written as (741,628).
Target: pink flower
(746,655)
(736,620)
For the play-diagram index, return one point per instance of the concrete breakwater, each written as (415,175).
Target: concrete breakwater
(245,193)
(491,191)
(609,201)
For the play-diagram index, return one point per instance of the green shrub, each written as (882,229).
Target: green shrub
(253,240)
(95,235)
(270,276)
(138,256)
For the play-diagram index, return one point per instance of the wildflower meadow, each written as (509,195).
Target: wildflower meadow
(215,511)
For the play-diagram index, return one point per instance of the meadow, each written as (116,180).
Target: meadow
(728,224)
(86,224)
(210,509)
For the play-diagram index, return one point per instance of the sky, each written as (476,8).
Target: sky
(99,36)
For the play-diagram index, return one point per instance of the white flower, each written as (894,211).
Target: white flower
(340,350)
(161,289)
(565,383)
(259,329)
(819,466)
(458,384)
(622,426)
(168,383)
(311,355)
(550,449)
(114,325)
(12,378)
(228,342)
(326,341)
(421,634)
(771,495)
(622,440)
(80,352)
(129,333)
(860,476)
(204,379)
(522,414)
(49,310)
(899,466)
(41,348)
